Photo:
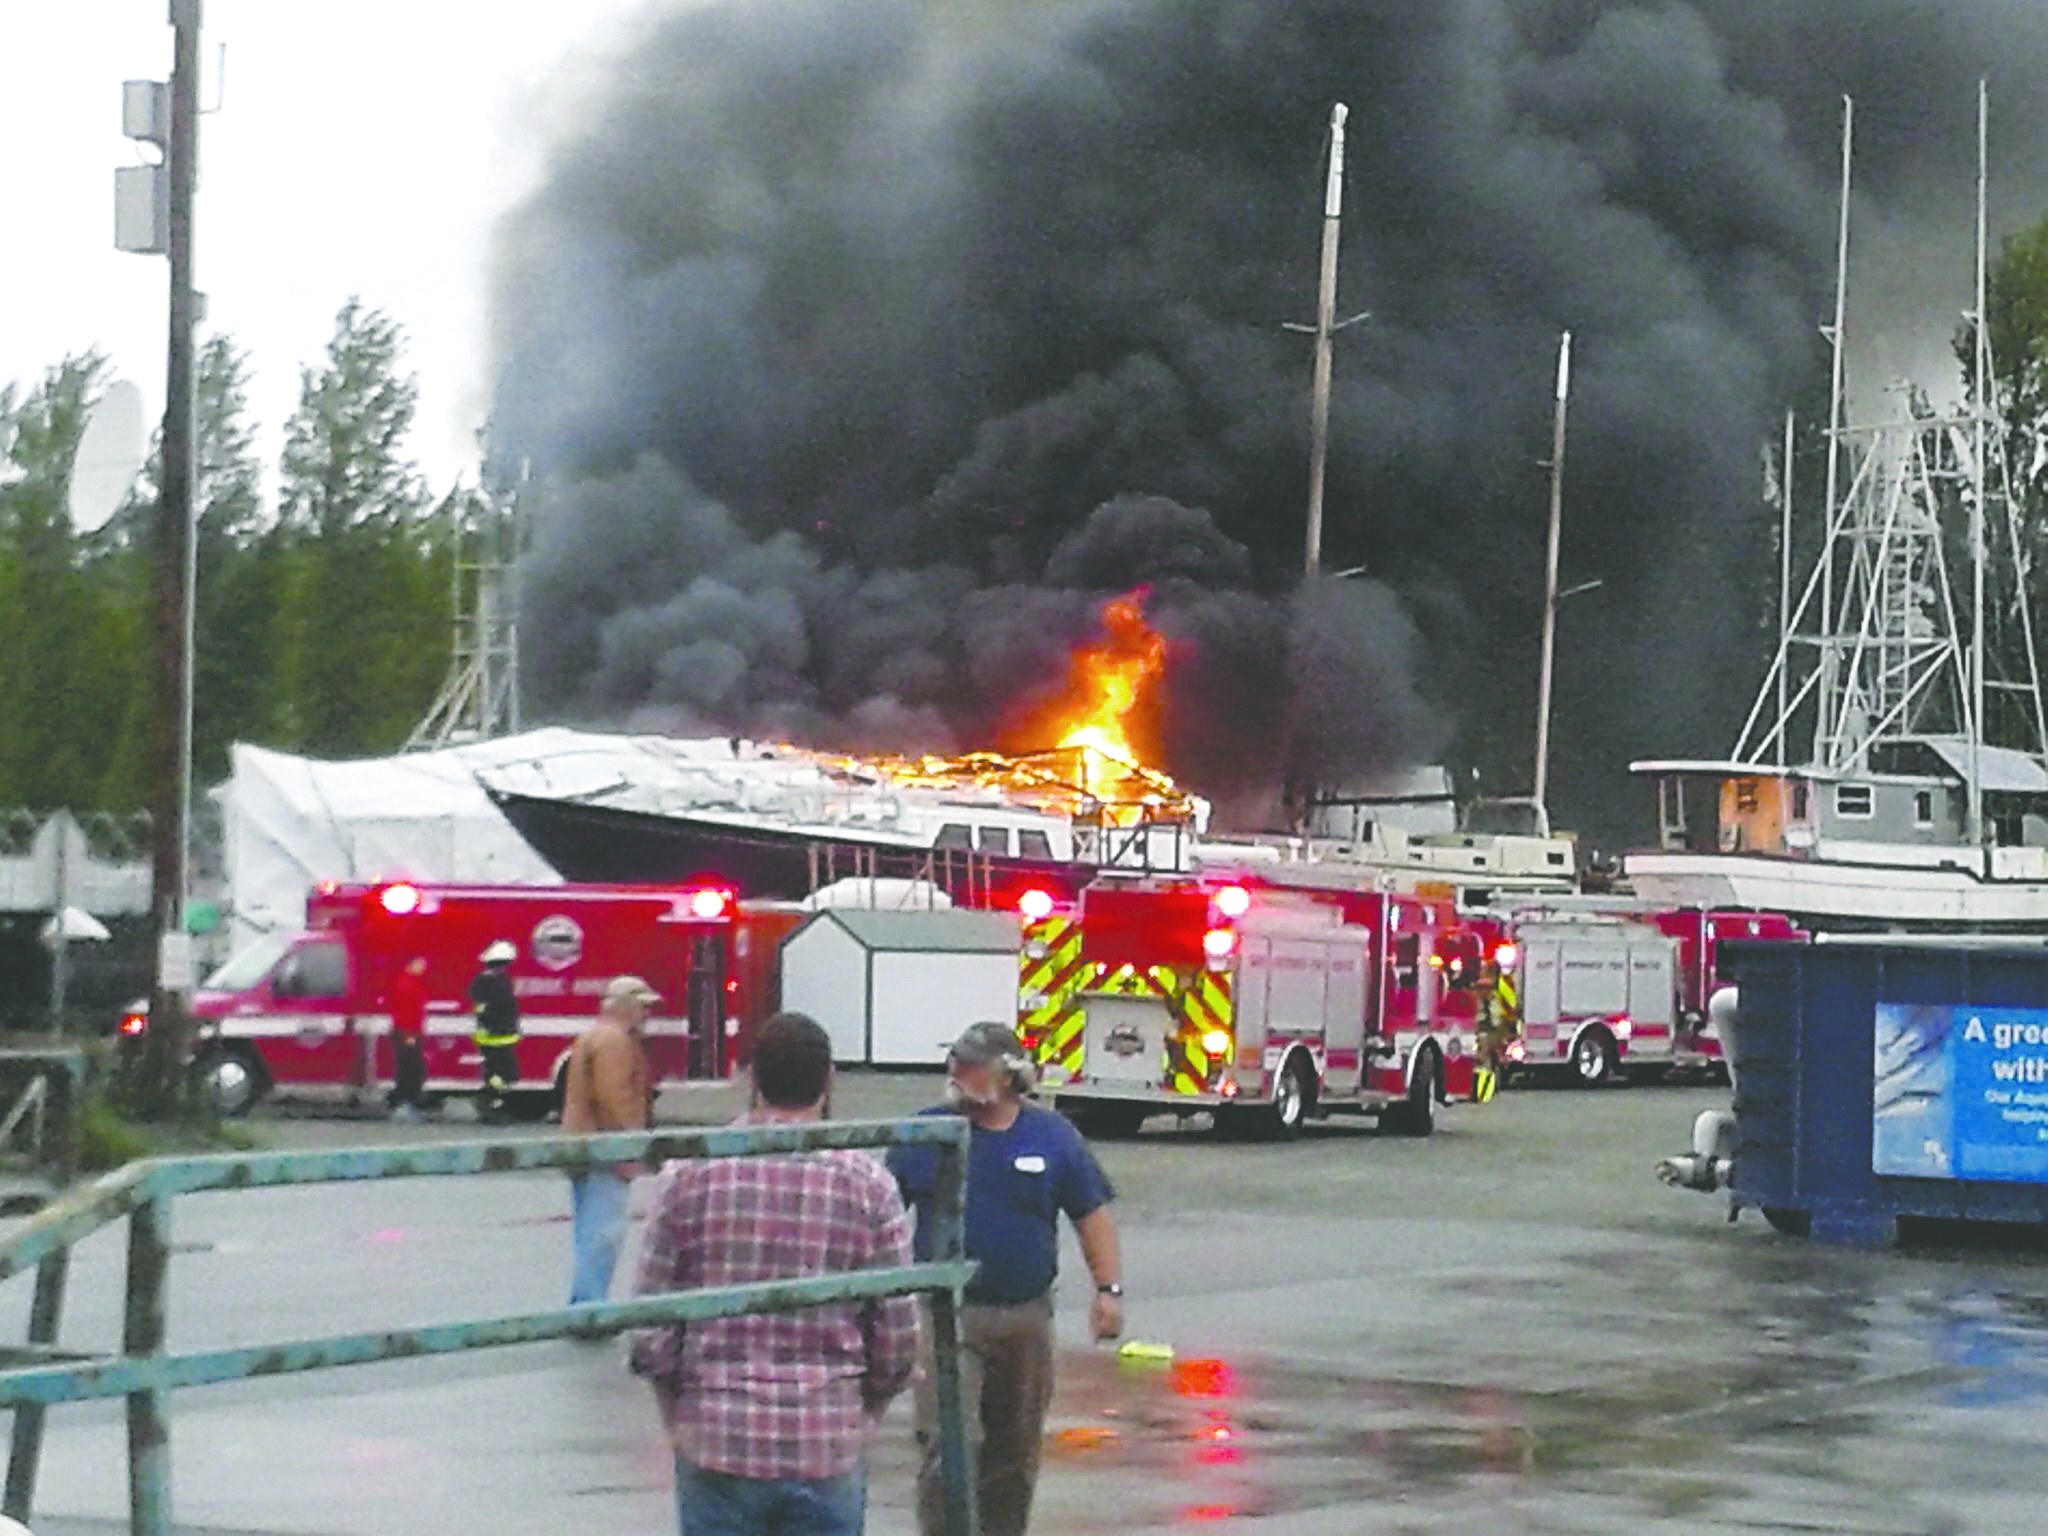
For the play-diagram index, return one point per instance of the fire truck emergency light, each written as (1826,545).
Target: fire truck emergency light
(1218,943)
(710,902)
(1505,956)
(400,900)
(1035,904)
(1233,901)
(1217,1042)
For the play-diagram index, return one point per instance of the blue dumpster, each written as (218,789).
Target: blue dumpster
(1886,1078)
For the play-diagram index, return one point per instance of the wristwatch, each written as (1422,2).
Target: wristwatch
(1112,1289)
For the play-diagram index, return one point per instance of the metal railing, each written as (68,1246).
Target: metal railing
(145,1373)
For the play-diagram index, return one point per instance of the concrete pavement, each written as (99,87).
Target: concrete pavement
(1510,1327)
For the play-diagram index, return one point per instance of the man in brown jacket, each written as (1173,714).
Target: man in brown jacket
(605,1089)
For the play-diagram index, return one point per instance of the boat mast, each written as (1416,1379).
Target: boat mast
(1326,314)
(1826,634)
(1564,389)
(1979,383)
(1784,590)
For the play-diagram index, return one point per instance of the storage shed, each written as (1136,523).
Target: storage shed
(896,988)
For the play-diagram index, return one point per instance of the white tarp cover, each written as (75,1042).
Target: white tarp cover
(291,822)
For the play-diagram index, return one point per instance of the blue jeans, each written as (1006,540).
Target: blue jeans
(597,1211)
(719,1504)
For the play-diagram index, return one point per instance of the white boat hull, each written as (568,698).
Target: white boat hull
(1834,893)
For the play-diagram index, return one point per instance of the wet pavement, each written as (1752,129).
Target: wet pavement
(1510,1327)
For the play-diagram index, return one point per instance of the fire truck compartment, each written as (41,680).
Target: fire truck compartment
(1127,1040)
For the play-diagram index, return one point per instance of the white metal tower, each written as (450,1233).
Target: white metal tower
(479,699)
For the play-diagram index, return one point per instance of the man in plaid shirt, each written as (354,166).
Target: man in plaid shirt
(769,1414)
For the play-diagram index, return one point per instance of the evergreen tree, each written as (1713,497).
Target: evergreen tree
(355,533)
(58,716)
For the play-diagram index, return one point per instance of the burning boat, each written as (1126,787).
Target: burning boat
(781,821)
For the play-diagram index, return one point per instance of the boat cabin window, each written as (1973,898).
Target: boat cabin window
(954,834)
(1853,800)
(1799,799)
(992,840)
(1033,845)
(1923,808)
(316,970)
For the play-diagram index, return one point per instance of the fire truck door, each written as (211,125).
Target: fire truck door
(305,1031)
(705,1014)
(1344,1016)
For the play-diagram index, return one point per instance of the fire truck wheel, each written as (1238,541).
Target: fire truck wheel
(231,1078)
(1593,1059)
(1281,1119)
(1416,1114)
(1106,1122)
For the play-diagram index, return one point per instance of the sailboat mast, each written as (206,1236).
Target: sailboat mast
(1564,390)
(1983,480)
(1785,590)
(1828,662)
(1326,316)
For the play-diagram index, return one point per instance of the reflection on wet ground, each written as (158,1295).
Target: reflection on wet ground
(1749,1383)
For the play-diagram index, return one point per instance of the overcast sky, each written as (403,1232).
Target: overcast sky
(361,148)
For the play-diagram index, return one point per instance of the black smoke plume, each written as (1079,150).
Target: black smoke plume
(864,346)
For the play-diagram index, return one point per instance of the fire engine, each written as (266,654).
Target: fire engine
(313,1008)
(1262,1006)
(1597,988)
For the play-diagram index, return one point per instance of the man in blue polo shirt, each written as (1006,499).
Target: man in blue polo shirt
(1025,1165)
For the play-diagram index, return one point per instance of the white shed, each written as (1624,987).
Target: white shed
(896,988)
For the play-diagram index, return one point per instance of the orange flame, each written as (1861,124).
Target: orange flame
(1111,680)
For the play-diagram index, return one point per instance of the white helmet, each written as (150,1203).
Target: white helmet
(499,952)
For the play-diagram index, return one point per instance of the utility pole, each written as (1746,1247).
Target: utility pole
(1550,593)
(168,192)
(1326,316)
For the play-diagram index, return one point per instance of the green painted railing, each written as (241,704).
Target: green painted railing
(38,1375)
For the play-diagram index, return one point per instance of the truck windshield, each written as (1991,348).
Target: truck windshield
(250,966)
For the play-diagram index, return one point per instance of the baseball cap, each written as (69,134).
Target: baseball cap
(630,989)
(990,1043)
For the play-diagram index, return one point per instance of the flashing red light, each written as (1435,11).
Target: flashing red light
(400,900)
(134,1024)
(1035,904)
(1218,943)
(732,984)
(1202,1378)
(1505,956)
(1233,901)
(710,902)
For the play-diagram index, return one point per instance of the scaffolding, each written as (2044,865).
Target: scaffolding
(479,699)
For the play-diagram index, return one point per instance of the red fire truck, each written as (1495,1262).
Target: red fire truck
(1262,1006)
(313,1008)
(1599,987)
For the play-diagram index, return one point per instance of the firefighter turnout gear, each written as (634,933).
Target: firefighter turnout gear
(497,1030)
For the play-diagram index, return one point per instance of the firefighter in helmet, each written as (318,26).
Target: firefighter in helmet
(497,1028)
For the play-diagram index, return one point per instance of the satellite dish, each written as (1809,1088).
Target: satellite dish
(109,457)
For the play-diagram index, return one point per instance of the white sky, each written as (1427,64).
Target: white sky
(361,148)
